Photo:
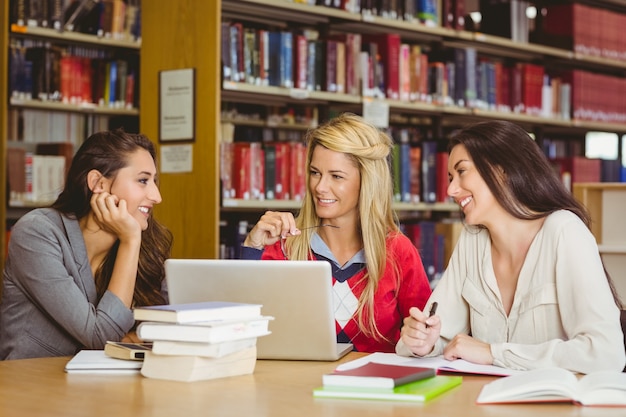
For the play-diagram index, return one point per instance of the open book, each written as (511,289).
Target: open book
(437,362)
(606,388)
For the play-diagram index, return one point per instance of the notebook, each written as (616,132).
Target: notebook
(298,294)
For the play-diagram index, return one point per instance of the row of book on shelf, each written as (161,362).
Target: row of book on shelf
(383,65)
(190,342)
(584,28)
(29,126)
(41,145)
(37,177)
(75,75)
(111,19)
(275,170)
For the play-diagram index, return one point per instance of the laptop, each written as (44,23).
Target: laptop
(298,294)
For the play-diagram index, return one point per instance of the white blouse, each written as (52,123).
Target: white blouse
(563,313)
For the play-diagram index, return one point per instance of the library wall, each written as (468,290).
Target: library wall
(433,76)
(176,35)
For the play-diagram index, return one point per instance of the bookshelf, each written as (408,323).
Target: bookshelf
(189,32)
(42,103)
(441,117)
(605,202)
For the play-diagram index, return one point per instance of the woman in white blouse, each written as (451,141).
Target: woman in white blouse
(525,287)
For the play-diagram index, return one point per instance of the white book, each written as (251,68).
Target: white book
(97,362)
(602,388)
(205,332)
(196,312)
(198,368)
(209,350)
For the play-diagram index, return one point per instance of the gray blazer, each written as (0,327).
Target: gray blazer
(49,305)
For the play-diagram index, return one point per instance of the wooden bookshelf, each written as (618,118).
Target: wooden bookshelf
(4,93)
(185,34)
(605,202)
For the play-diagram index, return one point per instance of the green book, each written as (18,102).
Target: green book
(418,391)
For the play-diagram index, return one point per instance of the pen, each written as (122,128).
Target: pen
(433,310)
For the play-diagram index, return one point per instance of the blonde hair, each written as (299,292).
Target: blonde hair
(369,149)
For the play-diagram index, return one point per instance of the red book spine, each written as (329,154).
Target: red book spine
(423,83)
(257,171)
(130,91)
(65,67)
(441,177)
(86,77)
(283,172)
(391,59)
(415,156)
(241,170)
(298,175)
(459,14)
(300,61)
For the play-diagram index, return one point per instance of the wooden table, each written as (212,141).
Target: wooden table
(40,387)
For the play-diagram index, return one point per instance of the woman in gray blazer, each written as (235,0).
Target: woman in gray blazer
(75,270)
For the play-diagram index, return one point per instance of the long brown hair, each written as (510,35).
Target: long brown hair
(108,152)
(532,189)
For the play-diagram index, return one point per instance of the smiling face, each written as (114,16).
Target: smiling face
(468,188)
(136,183)
(334,183)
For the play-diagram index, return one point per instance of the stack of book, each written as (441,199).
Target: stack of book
(199,341)
(377,381)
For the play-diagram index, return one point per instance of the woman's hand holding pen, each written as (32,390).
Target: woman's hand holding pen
(271,227)
(421,331)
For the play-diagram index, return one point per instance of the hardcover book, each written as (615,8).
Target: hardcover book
(209,350)
(377,375)
(606,388)
(204,332)
(198,368)
(418,391)
(197,312)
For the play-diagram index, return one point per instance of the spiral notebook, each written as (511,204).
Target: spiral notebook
(298,294)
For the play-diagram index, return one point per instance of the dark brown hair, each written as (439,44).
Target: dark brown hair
(531,188)
(108,152)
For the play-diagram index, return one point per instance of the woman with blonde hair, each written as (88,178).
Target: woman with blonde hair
(346,219)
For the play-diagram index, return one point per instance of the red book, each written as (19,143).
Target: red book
(86,75)
(517,103)
(532,82)
(298,176)
(389,51)
(300,61)
(129,98)
(415,182)
(283,170)
(241,170)
(65,68)
(441,177)
(377,375)
(257,171)
(459,14)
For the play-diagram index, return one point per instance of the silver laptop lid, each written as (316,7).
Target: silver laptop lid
(298,294)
